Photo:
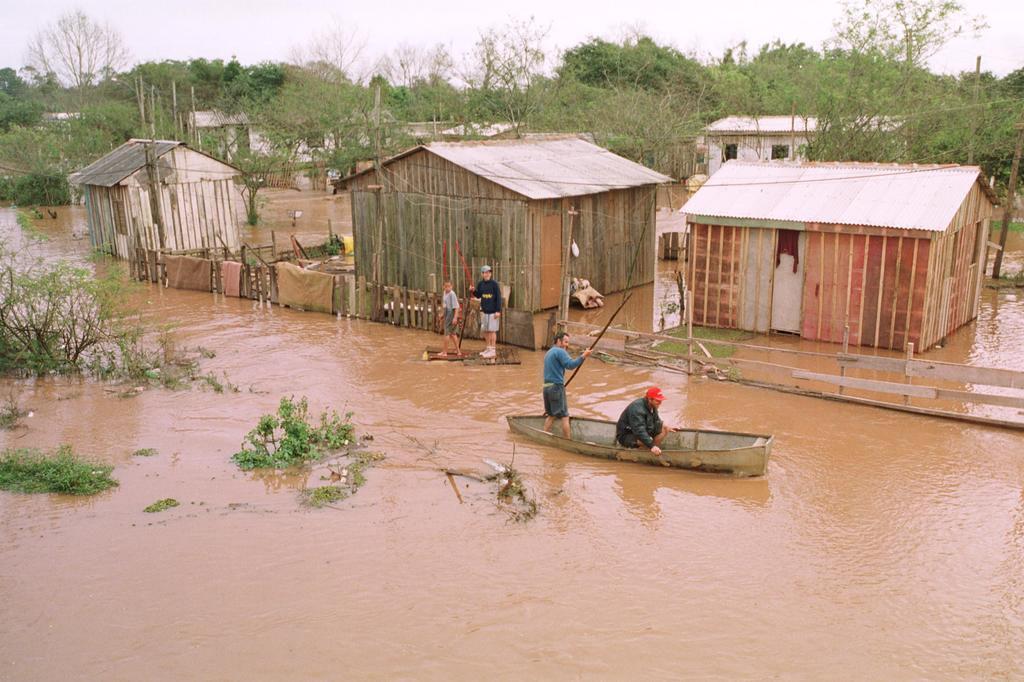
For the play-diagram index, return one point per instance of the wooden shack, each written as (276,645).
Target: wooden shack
(511,204)
(199,205)
(884,255)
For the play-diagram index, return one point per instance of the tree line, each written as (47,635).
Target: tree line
(869,87)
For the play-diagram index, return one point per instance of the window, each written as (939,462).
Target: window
(730,151)
(780,151)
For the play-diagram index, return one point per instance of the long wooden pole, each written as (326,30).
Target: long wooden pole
(1010,198)
(153,182)
(563,299)
(625,299)
(465,312)
(974,111)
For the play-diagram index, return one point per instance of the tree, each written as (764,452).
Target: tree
(910,31)
(335,53)
(255,170)
(410,65)
(506,71)
(78,51)
(638,62)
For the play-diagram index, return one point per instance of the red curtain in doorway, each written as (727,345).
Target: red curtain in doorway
(789,243)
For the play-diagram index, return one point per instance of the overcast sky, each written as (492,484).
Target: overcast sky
(258,30)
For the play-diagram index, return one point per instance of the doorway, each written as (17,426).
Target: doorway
(788,281)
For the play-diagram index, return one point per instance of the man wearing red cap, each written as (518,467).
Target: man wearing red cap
(640,425)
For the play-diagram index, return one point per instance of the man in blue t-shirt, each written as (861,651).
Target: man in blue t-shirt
(489,293)
(556,361)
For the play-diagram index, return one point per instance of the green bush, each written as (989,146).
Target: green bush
(40,189)
(28,470)
(57,317)
(287,438)
(6,188)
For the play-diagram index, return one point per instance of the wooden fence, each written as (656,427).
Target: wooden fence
(671,245)
(910,384)
(353,297)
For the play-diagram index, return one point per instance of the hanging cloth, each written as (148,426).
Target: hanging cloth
(789,243)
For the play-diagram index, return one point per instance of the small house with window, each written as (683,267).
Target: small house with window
(761,138)
(881,254)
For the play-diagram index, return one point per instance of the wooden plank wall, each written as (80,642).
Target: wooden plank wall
(609,229)
(954,284)
(730,274)
(428,201)
(419,226)
(874,283)
(197,215)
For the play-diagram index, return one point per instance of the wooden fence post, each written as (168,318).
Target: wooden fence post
(689,330)
(846,349)
(909,379)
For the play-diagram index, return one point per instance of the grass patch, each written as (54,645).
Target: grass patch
(10,413)
(144,452)
(997,226)
(287,438)
(323,496)
(707,335)
(161,505)
(217,385)
(28,470)
(24,221)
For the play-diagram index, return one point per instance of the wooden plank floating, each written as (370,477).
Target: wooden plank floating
(505,355)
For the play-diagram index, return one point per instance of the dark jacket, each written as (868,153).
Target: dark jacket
(641,420)
(489,294)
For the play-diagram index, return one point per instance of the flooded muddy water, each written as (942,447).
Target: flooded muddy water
(880,544)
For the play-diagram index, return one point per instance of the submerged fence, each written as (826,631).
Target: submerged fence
(249,276)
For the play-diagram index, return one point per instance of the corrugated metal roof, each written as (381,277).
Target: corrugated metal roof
(479,129)
(880,195)
(120,163)
(763,124)
(217,119)
(547,168)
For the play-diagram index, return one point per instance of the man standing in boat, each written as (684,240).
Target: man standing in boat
(640,424)
(556,361)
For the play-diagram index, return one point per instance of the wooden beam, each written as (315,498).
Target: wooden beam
(966,374)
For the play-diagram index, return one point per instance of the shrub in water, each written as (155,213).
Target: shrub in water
(287,438)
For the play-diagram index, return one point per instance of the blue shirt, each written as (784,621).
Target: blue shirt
(556,362)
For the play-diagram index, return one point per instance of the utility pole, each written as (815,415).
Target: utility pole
(152,112)
(154,192)
(379,246)
(1010,198)
(195,130)
(174,110)
(792,131)
(140,90)
(974,110)
(563,301)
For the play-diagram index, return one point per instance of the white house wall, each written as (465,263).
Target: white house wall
(751,147)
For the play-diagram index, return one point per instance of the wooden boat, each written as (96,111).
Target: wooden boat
(725,452)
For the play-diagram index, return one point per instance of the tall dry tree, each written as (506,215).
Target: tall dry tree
(507,66)
(334,54)
(78,51)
